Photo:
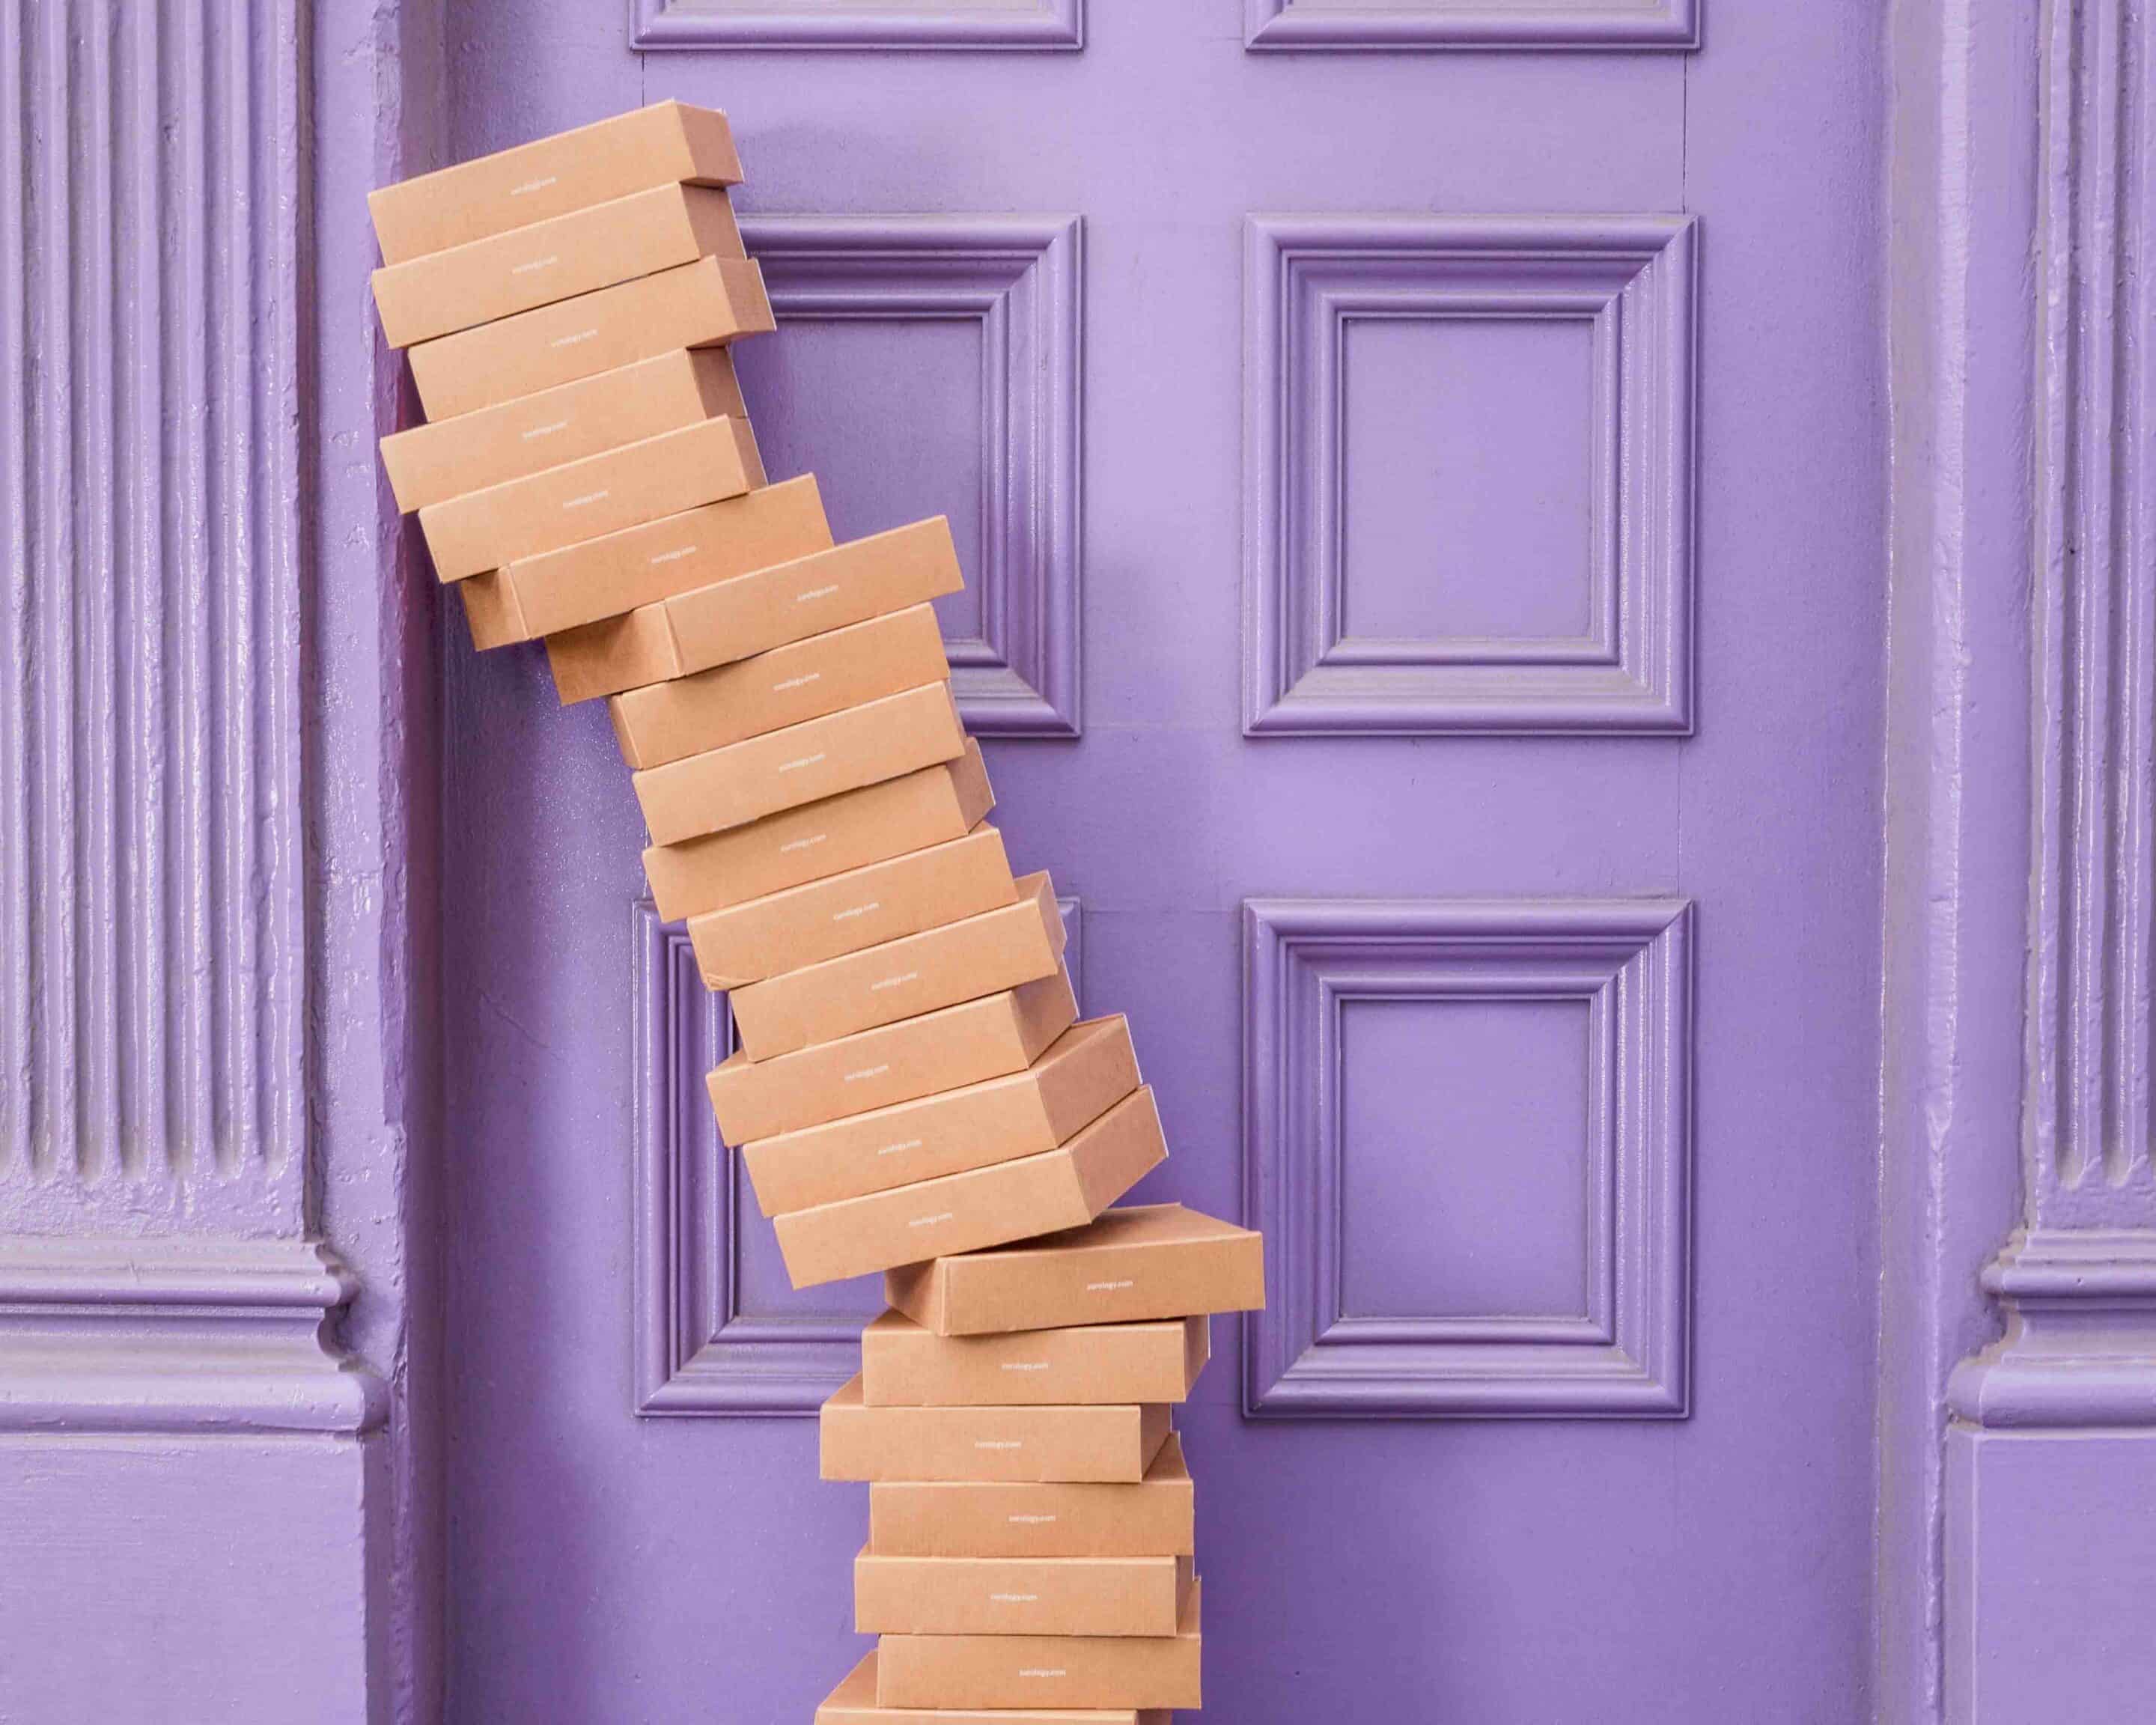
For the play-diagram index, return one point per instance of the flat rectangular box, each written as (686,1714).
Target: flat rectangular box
(861,908)
(1034,1673)
(700,304)
(804,680)
(428,464)
(982,954)
(1079,1076)
(1157,1516)
(893,1063)
(932,806)
(1145,1261)
(581,500)
(858,1442)
(853,1702)
(661,145)
(576,253)
(751,614)
(905,1366)
(807,762)
(616,572)
(1019,1596)
(1011,1200)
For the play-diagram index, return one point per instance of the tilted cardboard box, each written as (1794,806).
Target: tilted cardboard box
(861,908)
(982,954)
(858,1442)
(1040,1671)
(905,1366)
(1145,1261)
(931,807)
(558,259)
(1019,1596)
(893,1063)
(804,680)
(853,1702)
(945,1518)
(661,145)
(698,305)
(1008,1200)
(804,764)
(428,464)
(617,571)
(582,499)
(731,619)
(1078,1077)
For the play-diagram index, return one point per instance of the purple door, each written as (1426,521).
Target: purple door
(1424,517)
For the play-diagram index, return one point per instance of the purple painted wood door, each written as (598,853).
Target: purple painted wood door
(1483,852)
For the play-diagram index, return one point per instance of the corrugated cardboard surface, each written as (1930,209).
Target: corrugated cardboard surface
(1019,1596)
(853,1702)
(858,1442)
(904,1365)
(930,1518)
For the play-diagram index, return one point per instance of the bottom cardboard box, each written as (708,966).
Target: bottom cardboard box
(1040,1672)
(1019,1596)
(853,1702)
(1156,1517)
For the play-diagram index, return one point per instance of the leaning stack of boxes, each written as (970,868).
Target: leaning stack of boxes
(912,1092)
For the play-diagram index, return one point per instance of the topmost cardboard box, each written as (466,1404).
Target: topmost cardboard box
(668,143)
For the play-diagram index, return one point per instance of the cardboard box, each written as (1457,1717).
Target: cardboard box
(577,253)
(1078,1077)
(657,146)
(429,464)
(1019,1596)
(699,304)
(931,807)
(905,1366)
(581,500)
(1011,1200)
(1040,1672)
(946,1518)
(893,1063)
(853,1702)
(804,680)
(861,908)
(858,1442)
(617,571)
(977,955)
(729,620)
(1146,1261)
(804,764)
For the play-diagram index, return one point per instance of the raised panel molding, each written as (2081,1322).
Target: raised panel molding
(1277,25)
(1007,24)
(1020,279)
(1629,961)
(1630,278)
(697,1351)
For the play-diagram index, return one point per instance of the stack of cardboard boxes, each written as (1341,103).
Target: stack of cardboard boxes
(913,1091)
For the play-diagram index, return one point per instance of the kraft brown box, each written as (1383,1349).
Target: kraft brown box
(1144,1261)
(905,1366)
(577,253)
(1077,1078)
(428,464)
(1019,1596)
(858,1442)
(984,1206)
(853,1702)
(732,619)
(862,908)
(1034,1672)
(977,955)
(807,762)
(617,572)
(581,500)
(700,304)
(804,680)
(1157,1516)
(661,145)
(931,807)
(893,1063)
